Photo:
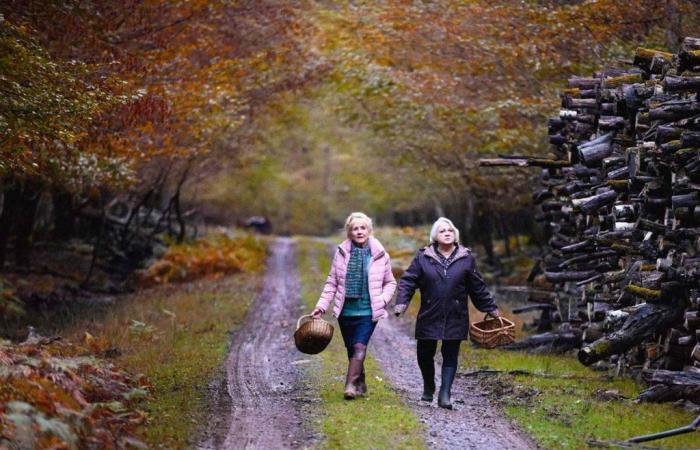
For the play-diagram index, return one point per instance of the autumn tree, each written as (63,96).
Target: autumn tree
(103,95)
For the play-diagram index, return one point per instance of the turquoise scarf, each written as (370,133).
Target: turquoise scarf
(356,277)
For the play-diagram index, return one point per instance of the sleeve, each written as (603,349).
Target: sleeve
(409,282)
(478,292)
(330,287)
(389,282)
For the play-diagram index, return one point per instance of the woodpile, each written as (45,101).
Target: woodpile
(621,203)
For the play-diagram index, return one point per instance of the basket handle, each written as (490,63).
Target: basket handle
(500,319)
(299,321)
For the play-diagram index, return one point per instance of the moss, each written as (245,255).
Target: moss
(560,406)
(600,347)
(646,293)
(649,53)
(622,79)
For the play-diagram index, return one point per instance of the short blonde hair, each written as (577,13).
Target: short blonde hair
(354,217)
(436,226)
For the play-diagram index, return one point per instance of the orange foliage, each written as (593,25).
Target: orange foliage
(209,258)
(54,395)
(172,77)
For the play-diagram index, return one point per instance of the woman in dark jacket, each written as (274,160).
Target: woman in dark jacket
(445,273)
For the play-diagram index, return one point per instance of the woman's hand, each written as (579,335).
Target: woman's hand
(316,313)
(400,309)
(495,313)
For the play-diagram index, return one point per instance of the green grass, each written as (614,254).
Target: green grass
(378,421)
(557,405)
(179,343)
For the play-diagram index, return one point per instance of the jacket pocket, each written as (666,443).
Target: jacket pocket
(461,307)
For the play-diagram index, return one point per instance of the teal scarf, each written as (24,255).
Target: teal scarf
(356,276)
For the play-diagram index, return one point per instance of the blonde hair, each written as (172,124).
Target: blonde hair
(436,226)
(353,217)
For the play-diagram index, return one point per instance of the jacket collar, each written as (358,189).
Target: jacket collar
(375,248)
(462,252)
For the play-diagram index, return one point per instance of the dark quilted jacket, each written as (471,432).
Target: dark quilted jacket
(443,311)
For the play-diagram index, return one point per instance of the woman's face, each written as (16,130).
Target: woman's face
(445,235)
(359,232)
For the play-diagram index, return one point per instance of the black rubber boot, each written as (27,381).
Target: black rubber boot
(428,391)
(428,383)
(427,370)
(448,376)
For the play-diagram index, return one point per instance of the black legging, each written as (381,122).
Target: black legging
(426,352)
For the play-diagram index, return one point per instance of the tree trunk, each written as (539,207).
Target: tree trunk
(550,342)
(598,201)
(561,277)
(24,221)
(674,24)
(646,320)
(670,386)
(592,154)
(64,216)
(485,227)
(676,84)
(677,110)
(10,207)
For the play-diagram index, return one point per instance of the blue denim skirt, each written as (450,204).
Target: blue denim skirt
(356,330)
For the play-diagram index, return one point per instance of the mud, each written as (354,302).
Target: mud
(261,401)
(475,423)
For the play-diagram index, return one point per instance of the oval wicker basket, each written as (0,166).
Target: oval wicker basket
(313,336)
(493,332)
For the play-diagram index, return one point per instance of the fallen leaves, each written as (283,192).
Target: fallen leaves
(55,395)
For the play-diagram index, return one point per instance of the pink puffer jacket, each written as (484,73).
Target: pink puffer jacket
(381,281)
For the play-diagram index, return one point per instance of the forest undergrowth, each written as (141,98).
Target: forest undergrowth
(141,364)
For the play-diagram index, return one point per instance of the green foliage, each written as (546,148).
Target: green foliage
(310,169)
(47,106)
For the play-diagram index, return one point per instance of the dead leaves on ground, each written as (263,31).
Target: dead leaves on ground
(55,395)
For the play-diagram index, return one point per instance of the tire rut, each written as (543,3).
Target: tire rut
(474,423)
(263,380)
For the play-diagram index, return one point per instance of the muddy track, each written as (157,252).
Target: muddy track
(258,404)
(474,424)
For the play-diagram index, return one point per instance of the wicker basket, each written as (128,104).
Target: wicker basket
(313,336)
(492,332)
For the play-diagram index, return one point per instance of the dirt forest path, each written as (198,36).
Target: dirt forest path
(257,406)
(260,402)
(473,424)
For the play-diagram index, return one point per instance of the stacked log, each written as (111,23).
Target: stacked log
(621,204)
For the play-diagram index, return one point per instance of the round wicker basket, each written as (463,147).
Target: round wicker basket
(313,336)
(492,332)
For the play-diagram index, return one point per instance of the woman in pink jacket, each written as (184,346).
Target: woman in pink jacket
(360,285)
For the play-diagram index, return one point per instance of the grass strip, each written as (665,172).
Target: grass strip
(564,404)
(176,335)
(378,421)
